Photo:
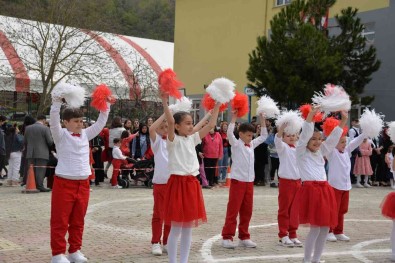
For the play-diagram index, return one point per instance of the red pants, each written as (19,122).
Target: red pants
(342,198)
(287,190)
(68,208)
(116,165)
(240,203)
(157,216)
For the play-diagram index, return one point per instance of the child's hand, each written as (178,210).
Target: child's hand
(164,97)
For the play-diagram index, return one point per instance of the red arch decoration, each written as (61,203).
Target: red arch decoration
(127,72)
(22,80)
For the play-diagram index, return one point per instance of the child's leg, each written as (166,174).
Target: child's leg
(156,222)
(172,243)
(116,164)
(310,242)
(185,244)
(246,211)
(320,244)
(342,209)
(236,193)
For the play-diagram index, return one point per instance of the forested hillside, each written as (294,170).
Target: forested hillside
(152,19)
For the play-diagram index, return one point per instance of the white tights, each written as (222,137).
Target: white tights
(315,242)
(185,243)
(393,239)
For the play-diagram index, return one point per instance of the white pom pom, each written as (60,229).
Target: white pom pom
(371,123)
(221,90)
(391,130)
(74,95)
(184,104)
(293,119)
(333,99)
(267,106)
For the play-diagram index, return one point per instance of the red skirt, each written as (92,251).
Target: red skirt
(315,204)
(388,206)
(184,204)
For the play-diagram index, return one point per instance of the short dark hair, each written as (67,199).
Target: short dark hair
(116,122)
(116,140)
(3,118)
(71,113)
(246,127)
(125,134)
(41,117)
(355,119)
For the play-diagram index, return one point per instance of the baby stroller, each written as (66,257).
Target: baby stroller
(137,171)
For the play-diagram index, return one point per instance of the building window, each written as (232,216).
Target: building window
(369,33)
(195,112)
(282,2)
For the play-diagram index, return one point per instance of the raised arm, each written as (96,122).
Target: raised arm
(213,121)
(278,140)
(154,126)
(231,137)
(257,141)
(355,143)
(54,121)
(98,126)
(169,117)
(202,122)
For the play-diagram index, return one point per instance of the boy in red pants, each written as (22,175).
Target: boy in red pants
(70,192)
(242,182)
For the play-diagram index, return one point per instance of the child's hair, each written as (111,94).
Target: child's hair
(116,140)
(125,134)
(141,126)
(71,113)
(178,117)
(222,125)
(246,127)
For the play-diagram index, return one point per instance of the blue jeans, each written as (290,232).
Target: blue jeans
(223,162)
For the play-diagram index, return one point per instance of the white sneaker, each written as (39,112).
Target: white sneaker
(247,243)
(116,187)
(331,237)
(286,242)
(61,258)
(342,237)
(156,249)
(358,185)
(367,185)
(228,243)
(164,249)
(297,242)
(77,257)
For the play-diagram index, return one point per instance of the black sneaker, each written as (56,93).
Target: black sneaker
(273,185)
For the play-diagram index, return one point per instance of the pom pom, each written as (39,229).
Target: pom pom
(306,108)
(267,106)
(209,103)
(73,95)
(221,90)
(169,84)
(184,104)
(371,123)
(391,131)
(330,124)
(293,120)
(240,103)
(333,99)
(100,96)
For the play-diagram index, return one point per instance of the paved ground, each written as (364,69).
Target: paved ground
(118,228)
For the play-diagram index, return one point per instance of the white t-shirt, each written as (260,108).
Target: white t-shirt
(287,154)
(182,155)
(161,157)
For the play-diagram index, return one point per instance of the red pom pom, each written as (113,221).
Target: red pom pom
(240,103)
(100,96)
(329,124)
(345,131)
(169,84)
(306,108)
(209,103)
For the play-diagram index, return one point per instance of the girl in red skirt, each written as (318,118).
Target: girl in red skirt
(183,204)
(388,210)
(316,199)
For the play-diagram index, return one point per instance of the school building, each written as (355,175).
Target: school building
(213,39)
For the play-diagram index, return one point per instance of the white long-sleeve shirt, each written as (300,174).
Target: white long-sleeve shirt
(72,151)
(340,165)
(161,158)
(312,164)
(117,153)
(288,168)
(243,156)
